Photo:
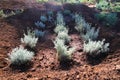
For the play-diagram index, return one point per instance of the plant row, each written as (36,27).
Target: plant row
(92,46)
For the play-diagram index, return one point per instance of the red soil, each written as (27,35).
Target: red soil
(45,65)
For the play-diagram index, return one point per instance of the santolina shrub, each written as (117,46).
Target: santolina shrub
(39,33)
(94,48)
(29,39)
(20,56)
(86,31)
(64,36)
(63,52)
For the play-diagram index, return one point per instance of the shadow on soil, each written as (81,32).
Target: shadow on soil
(97,59)
(23,67)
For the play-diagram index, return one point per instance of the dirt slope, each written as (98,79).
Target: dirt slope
(45,66)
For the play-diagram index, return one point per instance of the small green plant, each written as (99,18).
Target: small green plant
(115,8)
(60,19)
(108,19)
(91,1)
(86,31)
(108,5)
(29,39)
(40,24)
(94,48)
(64,36)
(63,52)
(60,24)
(1,13)
(39,33)
(20,56)
(60,28)
(103,5)
(80,23)
(43,18)
(100,16)
(111,19)
(91,34)
(12,13)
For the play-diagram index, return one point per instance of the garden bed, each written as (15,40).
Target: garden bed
(45,65)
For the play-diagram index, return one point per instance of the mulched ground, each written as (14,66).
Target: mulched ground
(45,65)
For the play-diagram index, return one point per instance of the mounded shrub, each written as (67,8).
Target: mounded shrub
(20,56)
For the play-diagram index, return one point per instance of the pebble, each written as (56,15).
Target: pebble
(118,67)
(33,69)
(77,76)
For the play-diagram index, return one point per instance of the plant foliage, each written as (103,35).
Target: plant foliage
(86,31)
(108,19)
(60,28)
(60,19)
(29,39)
(43,18)
(91,34)
(39,33)
(103,5)
(94,48)
(64,36)
(40,24)
(20,56)
(80,23)
(63,52)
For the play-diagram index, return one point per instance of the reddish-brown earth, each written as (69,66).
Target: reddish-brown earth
(45,65)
